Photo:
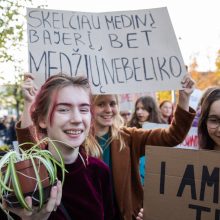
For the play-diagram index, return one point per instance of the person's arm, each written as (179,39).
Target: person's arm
(29,91)
(178,129)
(25,130)
(182,119)
(188,85)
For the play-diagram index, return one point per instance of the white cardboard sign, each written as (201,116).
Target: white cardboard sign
(191,140)
(119,52)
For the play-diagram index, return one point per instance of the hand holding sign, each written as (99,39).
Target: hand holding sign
(29,89)
(119,52)
(188,85)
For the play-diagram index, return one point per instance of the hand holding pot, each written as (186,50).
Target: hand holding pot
(52,204)
(140,214)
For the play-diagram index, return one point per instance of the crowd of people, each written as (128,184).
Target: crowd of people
(103,147)
(7,131)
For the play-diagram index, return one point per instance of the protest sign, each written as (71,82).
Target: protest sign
(119,52)
(191,140)
(181,184)
(127,101)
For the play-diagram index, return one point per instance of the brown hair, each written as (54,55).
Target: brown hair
(161,105)
(205,93)
(205,141)
(44,106)
(150,105)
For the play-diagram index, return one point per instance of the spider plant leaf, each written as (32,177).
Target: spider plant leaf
(39,183)
(38,144)
(5,175)
(17,187)
(25,143)
(5,159)
(62,165)
(36,152)
(52,161)
(55,168)
(49,157)
(49,167)
(4,180)
(47,154)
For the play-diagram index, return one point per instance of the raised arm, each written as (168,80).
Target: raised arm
(176,132)
(25,130)
(29,92)
(188,85)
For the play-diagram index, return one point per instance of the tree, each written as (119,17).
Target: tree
(217,63)
(12,21)
(193,70)
(12,32)
(11,96)
(205,79)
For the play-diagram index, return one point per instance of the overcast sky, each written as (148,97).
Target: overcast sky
(196,22)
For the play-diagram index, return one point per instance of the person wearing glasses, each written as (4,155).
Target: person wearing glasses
(198,109)
(126,115)
(209,121)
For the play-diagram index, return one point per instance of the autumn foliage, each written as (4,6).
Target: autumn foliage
(203,79)
(206,79)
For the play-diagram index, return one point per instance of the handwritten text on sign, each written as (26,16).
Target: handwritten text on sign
(182,184)
(120,52)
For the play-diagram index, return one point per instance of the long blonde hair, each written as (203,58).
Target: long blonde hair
(118,122)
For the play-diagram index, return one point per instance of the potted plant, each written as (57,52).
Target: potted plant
(29,173)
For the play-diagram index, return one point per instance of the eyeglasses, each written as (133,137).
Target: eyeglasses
(213,122)
(125,114)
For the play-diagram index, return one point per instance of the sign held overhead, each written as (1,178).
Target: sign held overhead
(119,52)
